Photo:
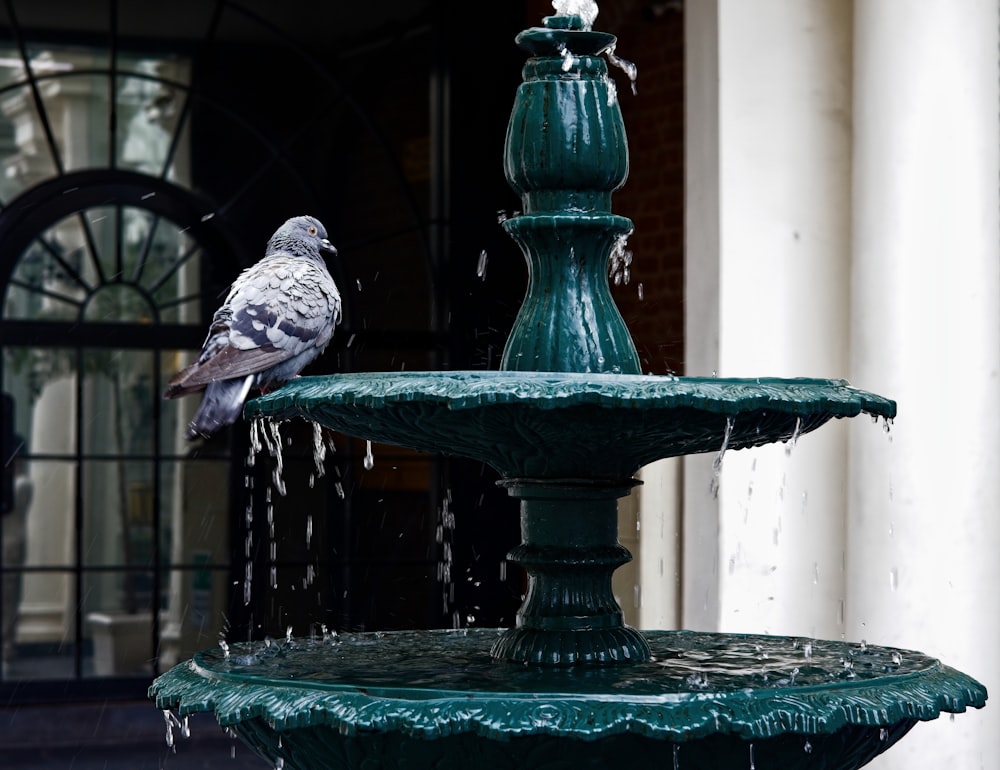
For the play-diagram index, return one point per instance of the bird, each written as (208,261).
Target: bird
(279,315)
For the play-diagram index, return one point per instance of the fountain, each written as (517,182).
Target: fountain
(567,421)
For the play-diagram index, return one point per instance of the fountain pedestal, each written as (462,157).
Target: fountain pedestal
(567,423)
(569,549)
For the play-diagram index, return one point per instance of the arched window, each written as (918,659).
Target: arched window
(140,169)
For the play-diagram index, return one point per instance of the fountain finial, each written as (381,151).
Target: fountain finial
(565,154)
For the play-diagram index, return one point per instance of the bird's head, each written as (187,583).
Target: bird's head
(302,230)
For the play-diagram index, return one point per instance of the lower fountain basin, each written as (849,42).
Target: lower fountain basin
(414,699)
(567,425)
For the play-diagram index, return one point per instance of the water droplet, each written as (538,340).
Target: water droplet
(369,461)
(893,579)
(481,267)
(883,734)
(808,748)
(640,291)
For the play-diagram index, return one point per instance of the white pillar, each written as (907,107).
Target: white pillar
(768,239)
(925,509)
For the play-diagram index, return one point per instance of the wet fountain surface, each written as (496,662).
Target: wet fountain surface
(413,698)
(564,424)
(567,423)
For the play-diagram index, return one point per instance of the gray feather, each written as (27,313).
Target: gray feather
(220,406)
(278,316)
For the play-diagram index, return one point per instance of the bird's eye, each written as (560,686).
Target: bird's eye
(312,230)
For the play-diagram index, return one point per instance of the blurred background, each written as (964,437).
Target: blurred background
(814,187)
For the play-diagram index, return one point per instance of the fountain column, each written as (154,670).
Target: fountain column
(565,154)
(923,528)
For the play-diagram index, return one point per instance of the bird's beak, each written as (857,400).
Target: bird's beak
(327,248)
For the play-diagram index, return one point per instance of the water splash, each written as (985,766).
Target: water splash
(568,58)
(586,9)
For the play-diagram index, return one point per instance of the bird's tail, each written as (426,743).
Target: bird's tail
(220,406)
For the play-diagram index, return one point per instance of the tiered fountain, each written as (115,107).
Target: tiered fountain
(567,422)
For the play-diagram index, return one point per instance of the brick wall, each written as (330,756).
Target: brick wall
(653,196)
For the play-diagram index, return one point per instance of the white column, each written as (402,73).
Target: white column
(924,533)
(768,239)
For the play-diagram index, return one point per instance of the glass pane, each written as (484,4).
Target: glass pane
(25,154)
(170,263)
(119,639)
(48,282)
(195,539)
(194,617)
(118,515)
(149,109)
(44,630)
(175,414)
(119,396)
(76,106)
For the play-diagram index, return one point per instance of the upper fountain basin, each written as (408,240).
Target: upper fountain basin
(555,425)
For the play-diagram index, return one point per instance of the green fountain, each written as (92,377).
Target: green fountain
(567,422)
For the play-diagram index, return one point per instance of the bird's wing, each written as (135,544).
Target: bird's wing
(275,310)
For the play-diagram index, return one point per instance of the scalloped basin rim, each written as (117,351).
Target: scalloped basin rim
(471,389)
(508,699)
(566,425)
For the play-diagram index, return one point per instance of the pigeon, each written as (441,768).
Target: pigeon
(279,315)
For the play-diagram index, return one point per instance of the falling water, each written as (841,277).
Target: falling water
(717,462)
(272,541)
(369,461)
(625,66)
(248,520)
(796,432)
(265,432)
(620,261)
(173,721)
(444,536)
(481,266)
